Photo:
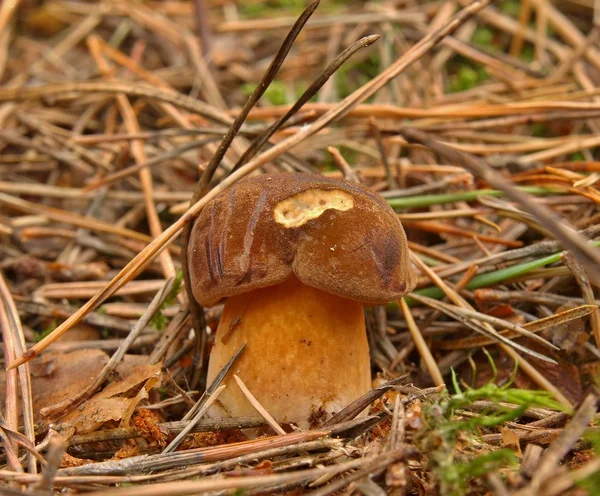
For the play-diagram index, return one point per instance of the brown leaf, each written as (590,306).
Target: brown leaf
(509,437)
(565,376)
(56,376)
(96,412)
(567,335)
(108,405)
(136,376)
(125,367)
(141,395)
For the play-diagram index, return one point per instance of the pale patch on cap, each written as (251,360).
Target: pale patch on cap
(310,204)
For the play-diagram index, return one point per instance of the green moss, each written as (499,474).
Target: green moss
(38,336)
(450,438)
(159,321)
(527,53)
(270,8)
(254,9)
(539,130)
(352,75)
(592,482)
(510,7)
(483,37)
(467,77)
(277,92)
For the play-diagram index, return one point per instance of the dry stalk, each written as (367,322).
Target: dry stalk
(421,345)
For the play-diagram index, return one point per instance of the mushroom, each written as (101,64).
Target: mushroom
(295,257)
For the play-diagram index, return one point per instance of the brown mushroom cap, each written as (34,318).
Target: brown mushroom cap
(331,234)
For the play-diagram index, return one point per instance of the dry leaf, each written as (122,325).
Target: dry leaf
(125,367)
(141,395)
(136,376)
(95,412)
(108,405)
(57,376)
(509,437)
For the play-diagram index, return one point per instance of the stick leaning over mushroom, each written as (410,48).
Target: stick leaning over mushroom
(296,256)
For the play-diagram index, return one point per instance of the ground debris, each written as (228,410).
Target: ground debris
(480,132)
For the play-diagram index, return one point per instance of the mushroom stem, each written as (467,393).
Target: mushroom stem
(307,354)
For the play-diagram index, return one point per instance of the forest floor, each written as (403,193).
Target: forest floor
(477,121)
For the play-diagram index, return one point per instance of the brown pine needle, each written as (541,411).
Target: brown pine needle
(536,326)
(71,218)
(111,111)
(18,383)
(534,374)
(421,345)
(588,256)
(137,149)
(201,412)
(15,339)
(75,89)
(258,407)
(481,325)
(587,291)
(146,256)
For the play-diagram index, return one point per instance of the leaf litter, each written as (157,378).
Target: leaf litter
(477,121)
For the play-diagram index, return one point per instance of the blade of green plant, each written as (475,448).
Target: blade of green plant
(446,431)
(497,276)
(586,256)
(428,200)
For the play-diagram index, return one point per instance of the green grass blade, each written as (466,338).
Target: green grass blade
(428,200)
(497,276)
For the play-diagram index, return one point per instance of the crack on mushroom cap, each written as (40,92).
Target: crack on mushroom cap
(310,204)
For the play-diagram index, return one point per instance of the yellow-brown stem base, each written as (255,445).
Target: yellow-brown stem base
(307,354)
